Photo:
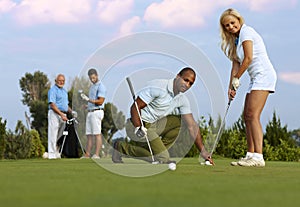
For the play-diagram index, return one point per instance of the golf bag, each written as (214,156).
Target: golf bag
(68,143)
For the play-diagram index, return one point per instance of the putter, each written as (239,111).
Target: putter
(220,129)
(142,124)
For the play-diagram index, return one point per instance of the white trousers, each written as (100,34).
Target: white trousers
(55,129)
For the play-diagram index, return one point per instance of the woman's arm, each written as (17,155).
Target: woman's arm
(248,56)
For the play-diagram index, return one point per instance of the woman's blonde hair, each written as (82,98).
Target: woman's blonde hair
(228,39)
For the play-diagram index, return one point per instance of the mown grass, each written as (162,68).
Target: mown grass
(76,182)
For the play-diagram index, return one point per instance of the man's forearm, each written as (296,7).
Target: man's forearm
(135,119)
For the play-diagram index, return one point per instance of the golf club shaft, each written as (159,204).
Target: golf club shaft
(220,129)
(135,103)
(140,117)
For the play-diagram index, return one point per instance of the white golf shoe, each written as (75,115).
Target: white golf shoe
(236,163)
(252,163)
(96,157)
(58,156)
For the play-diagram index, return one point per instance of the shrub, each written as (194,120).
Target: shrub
(17,146)
(283,152)
(269,152)
(22,144)
(233,144)
(37,149)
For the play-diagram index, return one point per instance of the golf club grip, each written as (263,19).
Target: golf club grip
(131,88)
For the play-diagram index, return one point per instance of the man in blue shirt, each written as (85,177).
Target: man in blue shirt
(95,102)
(57,114)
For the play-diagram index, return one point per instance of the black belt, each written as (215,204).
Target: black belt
(92,110)
(65,112)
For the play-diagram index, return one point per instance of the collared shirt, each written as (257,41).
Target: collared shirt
(96,90)
(161,101)
(260,61)
(59,96)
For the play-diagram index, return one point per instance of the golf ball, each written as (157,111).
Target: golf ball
(207,162)
(172,166)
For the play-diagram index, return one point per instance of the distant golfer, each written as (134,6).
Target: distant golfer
(164,110)
(246,49)
(95,101)
(57,114)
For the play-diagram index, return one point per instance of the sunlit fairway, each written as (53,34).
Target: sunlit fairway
(83,182)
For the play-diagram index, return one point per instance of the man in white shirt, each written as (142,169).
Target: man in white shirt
(164,109)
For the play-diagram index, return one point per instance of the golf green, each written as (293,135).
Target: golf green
(82,182)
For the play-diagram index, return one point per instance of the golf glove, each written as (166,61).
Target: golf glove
(235,83)
(140,131)
(84,97)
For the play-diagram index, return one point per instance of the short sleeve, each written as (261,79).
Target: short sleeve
(185,107)
(51,96)
(247,33)
(101,92)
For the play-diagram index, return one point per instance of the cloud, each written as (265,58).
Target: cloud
(193,13)
(290,77)
(181,12)
(165,13)
(29,12)
(113,10)
(170,13)
(128,25)
(6,6)
(271,5)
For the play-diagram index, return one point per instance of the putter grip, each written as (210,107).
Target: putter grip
(131,87)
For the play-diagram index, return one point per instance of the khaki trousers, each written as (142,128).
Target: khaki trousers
(161,134)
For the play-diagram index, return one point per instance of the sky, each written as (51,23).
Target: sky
(65,36)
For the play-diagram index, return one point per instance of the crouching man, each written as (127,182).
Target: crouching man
(164,110)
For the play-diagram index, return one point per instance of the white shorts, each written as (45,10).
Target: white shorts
(263,81)
(93,122)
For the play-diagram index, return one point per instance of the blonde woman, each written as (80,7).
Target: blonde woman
(246,49)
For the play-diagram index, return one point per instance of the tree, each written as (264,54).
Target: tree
(275,132)
(296,136)
(17,144)
(2,137)
(22,143)
(35,90)
(34,87)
